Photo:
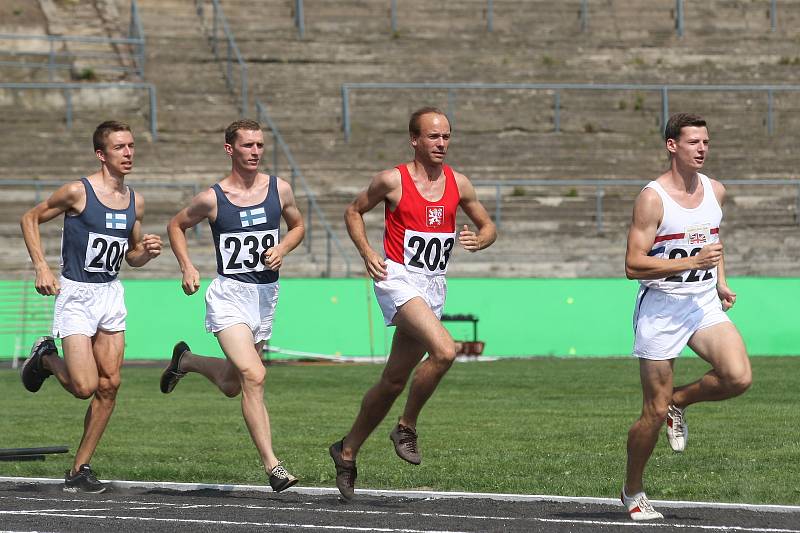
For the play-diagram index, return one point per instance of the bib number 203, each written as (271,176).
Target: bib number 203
(429,254)
(680,253)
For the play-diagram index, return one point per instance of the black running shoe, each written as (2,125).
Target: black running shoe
(405,444)
(83,480)
(280,479)
(33,372)
(346,471)
(172,374)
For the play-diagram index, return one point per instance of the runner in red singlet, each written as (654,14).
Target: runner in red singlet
(421,198)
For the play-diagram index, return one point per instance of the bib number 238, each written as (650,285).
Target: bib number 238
(427,253)
(241,252)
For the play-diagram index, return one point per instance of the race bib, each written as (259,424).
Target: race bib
(104,253)
(427,253)
(241,252)
(698,235)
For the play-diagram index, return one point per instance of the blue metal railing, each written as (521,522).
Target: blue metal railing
(57,59)
(299,16)
(280,146)
(557,88)
(67,89)
(220,24)
(601,185)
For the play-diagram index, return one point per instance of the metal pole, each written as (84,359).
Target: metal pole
(68,98)
(328,256)
(245,105)
(299,18)
(394,17)
(309,239)
(557,112)
(498,200)
(451,107)
(51,61)
(679,17)
(274,154)
(664,107)
(490,16)
(599,208)
(584,15)
(769,111)
(215,25)
(346,113)
(773,15)
(153,113)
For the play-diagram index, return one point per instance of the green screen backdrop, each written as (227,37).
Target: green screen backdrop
(517,317)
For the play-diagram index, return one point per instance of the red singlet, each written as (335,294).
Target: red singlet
(421,234)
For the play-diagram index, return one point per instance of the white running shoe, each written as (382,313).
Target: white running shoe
(639,507)
(677,430)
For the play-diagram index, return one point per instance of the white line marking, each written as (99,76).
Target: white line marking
(321,491)
(232,523)
(406,530)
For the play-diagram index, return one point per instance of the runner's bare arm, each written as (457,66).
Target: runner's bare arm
(647,213)
(69,197)
(142,248)
(201,207)
(273,257)
(379,188)
(487,231)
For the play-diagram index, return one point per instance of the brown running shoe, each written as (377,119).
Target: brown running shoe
(405,444)
(346,471)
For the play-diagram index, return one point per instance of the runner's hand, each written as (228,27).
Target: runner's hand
(469,239)
(152,245)
(726,296)
(376,266)
(191,281)
(46,284)
(708,257)
(272,258)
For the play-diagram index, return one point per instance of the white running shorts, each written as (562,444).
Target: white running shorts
(663,323)
(83,308)
(402,285)
(230,302)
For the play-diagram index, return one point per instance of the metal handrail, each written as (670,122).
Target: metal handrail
(218,22)
(135,40)
(600,186)
(299,18)
(68,87)
(664,89)
(313,206)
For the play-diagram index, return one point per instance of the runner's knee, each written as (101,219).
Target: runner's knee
(254,376)
(738,382)
(393,385)
(443,355)
(231,388)
(108,386)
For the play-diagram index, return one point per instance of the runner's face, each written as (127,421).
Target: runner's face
(118,154)
(434,138)
(690,149)
(247,150)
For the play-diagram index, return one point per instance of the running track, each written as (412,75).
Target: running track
(40,505)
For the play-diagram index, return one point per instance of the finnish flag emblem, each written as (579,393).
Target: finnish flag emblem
(251,217)
(116,220)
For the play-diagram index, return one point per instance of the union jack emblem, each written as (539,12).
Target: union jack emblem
(435,215)
(698,237)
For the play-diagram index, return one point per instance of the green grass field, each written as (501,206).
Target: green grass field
(538,426)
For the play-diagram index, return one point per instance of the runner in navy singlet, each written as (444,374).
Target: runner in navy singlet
(102,226)
(244,211)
